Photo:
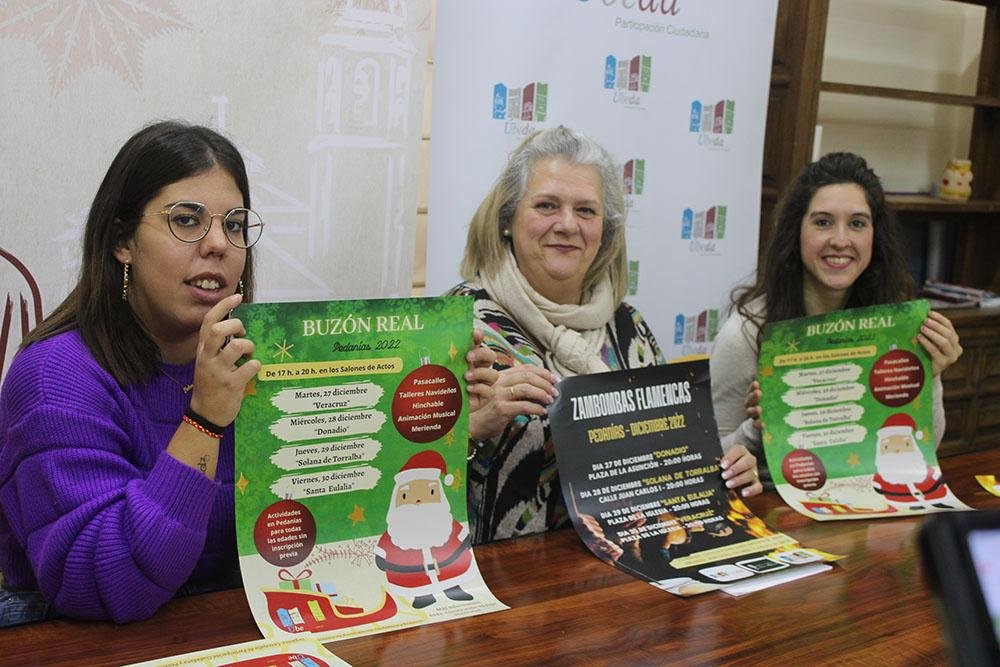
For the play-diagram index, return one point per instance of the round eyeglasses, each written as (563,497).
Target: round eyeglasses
(190,222)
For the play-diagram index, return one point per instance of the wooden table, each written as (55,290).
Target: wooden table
(567,607)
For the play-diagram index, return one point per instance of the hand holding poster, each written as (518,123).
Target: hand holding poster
(847,405)
(351,442)
(638,454)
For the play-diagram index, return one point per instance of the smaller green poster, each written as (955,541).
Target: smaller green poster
(350,465)
(304,651)
(848,408)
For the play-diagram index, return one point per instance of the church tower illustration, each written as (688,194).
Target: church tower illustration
(362,98)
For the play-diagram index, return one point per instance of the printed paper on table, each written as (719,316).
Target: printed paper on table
(638,454)
(303,651)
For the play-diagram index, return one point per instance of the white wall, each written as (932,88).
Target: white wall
(323,98)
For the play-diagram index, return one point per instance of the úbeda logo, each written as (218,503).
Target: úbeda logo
(694,332)
(627,78)
(522,107)
(633,181)
(634,176)
(704,229)
(712,122)
(650,7)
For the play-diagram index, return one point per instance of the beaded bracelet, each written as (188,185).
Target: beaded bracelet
(197,421)
(474,447)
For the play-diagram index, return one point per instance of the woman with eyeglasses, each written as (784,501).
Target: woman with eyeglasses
(116,437)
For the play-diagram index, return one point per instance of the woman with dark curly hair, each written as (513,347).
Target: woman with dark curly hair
(835,246)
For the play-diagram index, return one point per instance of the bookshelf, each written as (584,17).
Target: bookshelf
(939,208)
(972,385)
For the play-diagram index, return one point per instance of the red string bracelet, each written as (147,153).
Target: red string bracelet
(195,420)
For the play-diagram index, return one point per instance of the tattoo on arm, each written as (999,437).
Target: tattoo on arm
(203,463)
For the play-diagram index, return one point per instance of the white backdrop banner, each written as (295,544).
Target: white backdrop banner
(323,98)
(676,91)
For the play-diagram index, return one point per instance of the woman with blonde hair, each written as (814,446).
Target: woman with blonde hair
(545,261)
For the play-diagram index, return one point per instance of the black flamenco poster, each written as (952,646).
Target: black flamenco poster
(638,455)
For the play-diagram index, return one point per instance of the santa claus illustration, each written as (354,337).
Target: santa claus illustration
(424,550)
(902,475)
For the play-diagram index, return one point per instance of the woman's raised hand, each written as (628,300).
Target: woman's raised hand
(739,469)
(480,376)
(519,390)
(219,383)
(752,404)
(939,338)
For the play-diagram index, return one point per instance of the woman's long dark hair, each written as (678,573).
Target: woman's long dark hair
(156,156)
(780,278)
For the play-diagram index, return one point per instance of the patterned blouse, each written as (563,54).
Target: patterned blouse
(513,482)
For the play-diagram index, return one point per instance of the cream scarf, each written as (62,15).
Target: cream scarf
(571,336)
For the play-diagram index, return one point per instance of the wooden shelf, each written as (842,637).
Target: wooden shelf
(970,315)
(982,101)
(908,204)
(926,204)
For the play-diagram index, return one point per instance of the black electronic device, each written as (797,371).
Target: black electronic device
(961,555)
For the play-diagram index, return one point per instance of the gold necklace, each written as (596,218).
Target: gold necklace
(186,388)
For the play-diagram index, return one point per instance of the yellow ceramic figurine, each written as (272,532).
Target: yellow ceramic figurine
(956,184)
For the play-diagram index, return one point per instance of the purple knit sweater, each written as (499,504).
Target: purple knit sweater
(93,511)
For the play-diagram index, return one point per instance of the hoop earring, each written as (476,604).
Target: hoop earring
(125,282)
(239,288)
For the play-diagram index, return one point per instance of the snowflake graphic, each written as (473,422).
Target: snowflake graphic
(76,35)
(359,552)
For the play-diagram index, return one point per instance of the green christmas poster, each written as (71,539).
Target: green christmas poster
(848,412)
(301,651)
(350,465)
